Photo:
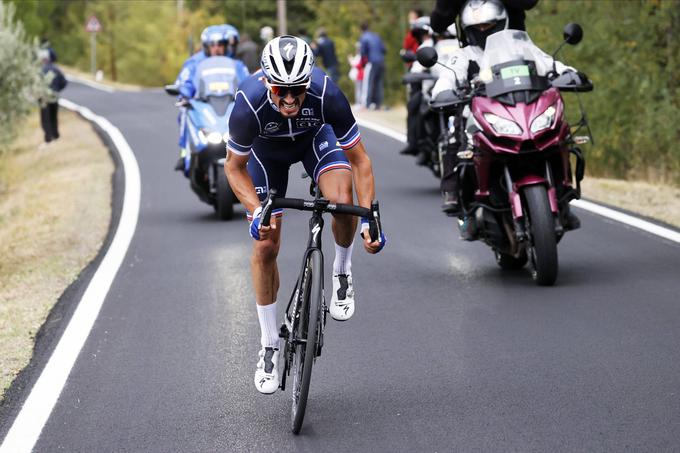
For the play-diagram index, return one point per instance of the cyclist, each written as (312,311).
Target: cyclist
(217,40)
(288,112)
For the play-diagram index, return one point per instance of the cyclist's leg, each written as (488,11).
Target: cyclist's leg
(332,172)
(267,174)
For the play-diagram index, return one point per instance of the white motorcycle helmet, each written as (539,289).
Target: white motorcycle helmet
(287,60)
(480,19)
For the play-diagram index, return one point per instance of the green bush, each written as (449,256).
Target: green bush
(21,83)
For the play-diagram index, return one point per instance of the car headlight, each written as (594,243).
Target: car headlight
(502,125)
(226,137)
(544,120)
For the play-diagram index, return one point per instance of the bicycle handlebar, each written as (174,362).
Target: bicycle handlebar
(323,205)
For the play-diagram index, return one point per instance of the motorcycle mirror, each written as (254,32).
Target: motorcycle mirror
(407,56)
(573,33)
(172,90)
(427,56)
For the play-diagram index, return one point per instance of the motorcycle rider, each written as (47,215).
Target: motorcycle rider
(421,126)
(446,11)
(288,112)
(421,33)
(479,20)
(216,40)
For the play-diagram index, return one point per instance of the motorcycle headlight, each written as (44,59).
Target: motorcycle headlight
(202,137)
(215,138)
(544,120)
(225,137)
(502,125)
(212,137)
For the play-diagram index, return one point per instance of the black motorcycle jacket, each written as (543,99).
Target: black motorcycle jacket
(446,11)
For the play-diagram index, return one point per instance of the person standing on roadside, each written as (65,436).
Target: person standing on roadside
(324,48)
(248,53)
(50,106)
(373,51)
(356,74)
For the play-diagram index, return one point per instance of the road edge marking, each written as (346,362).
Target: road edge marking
(27,426)
(589,206)
(90,83)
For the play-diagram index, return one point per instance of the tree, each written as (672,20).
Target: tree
(21,81)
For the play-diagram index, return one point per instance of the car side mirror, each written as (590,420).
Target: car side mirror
(172,90)
(573,33)
(427,56)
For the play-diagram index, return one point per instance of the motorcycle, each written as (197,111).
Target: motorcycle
(514,173)
(207,129)
(426,125)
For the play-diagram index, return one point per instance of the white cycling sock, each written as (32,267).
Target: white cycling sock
(343,259)
(266,314)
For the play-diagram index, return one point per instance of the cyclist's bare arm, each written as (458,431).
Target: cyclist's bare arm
(362,172)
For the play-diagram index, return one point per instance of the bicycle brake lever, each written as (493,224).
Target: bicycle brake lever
(374,226)
(267,208)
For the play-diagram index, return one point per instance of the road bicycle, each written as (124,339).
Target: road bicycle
(305,319)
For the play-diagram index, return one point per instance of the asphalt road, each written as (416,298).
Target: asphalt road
(445,352)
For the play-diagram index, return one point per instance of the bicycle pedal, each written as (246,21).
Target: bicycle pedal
(283,331)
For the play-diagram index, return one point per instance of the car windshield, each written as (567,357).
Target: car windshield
(512,63)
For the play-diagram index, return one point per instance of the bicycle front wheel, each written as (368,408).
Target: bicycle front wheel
(308,330)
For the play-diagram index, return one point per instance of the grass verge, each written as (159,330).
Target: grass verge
(55,209)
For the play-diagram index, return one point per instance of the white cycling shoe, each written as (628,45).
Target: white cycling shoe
(267,373)
(342,302)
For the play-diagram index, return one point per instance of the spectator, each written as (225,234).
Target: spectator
(50,106)
(373,52)
(45,44)
(302,34)
(356,74)
(266,34)
(324,47)
(248,53)
(410,42)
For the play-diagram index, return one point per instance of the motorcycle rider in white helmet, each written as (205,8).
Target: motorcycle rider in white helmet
(479,19)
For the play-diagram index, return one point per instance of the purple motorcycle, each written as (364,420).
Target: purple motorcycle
(515,178)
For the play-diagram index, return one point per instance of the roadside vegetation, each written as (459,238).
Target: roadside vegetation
(631,50)
(55,205)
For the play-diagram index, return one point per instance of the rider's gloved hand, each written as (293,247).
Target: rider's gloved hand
(374,246)
(255,224)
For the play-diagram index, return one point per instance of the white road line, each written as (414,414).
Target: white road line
(595,208)
(36,410)
(633,221)
(90,83)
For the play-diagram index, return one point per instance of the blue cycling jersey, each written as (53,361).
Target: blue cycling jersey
(256,118)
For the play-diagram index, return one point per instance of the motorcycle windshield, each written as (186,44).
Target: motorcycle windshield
(512,62)
(216,76)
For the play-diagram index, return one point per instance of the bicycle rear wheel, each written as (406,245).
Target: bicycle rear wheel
(308,329)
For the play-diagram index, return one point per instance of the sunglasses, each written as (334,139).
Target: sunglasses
(283,90)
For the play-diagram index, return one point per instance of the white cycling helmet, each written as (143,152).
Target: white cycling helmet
(477,12)
(287,60)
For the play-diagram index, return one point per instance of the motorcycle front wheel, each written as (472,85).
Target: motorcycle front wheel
(224,198)
(543,241)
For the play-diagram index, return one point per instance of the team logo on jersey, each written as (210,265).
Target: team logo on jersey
(307,111)
(306,123)
(272,127)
